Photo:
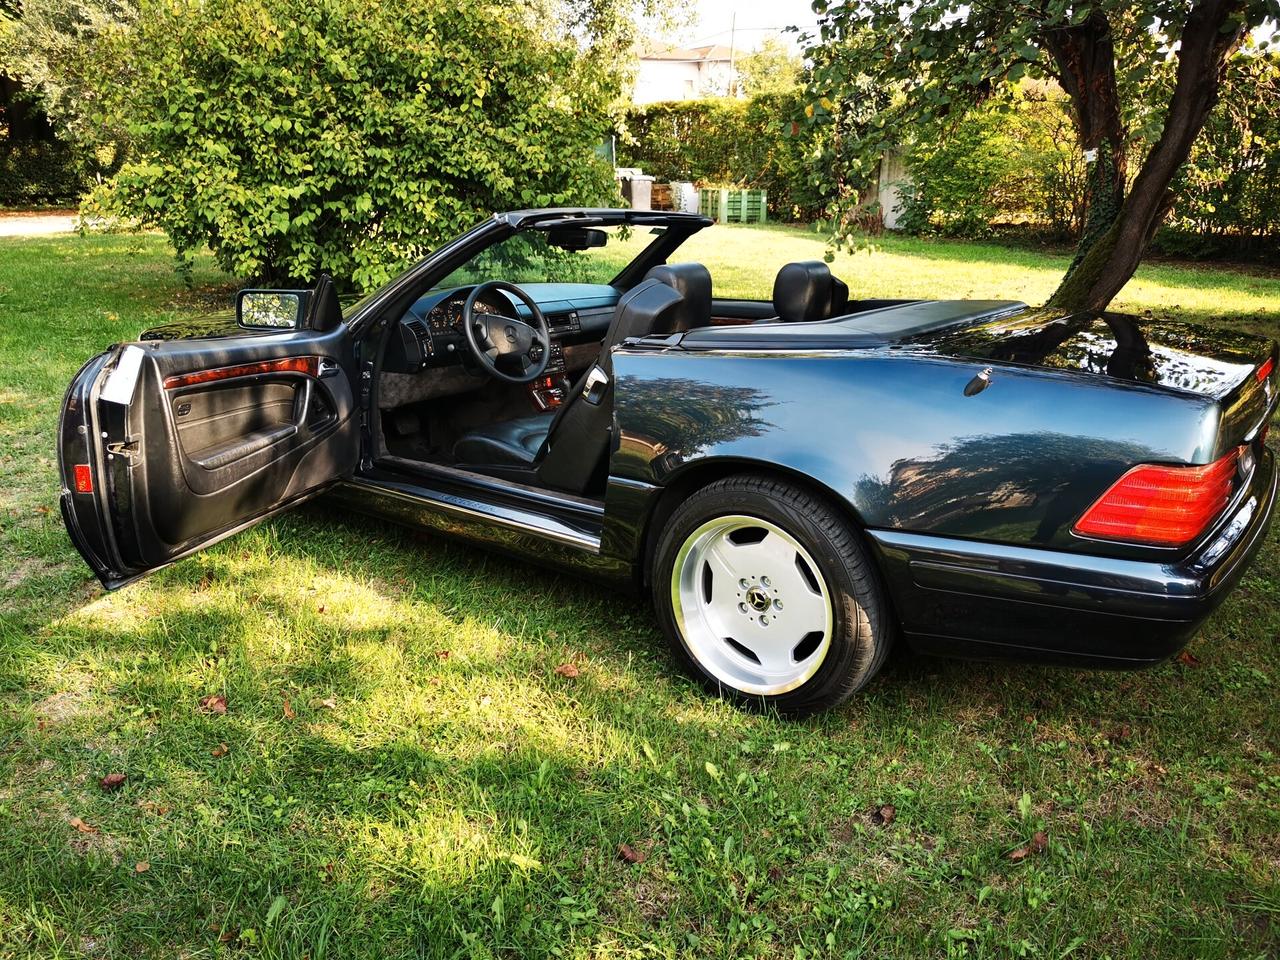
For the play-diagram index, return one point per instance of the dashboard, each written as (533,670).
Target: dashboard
(430,333)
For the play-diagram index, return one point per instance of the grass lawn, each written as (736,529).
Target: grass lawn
(401,772)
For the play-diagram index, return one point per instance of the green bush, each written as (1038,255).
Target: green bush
(349,136)
(1228,194)
(1010,162)
(725,141)
(35,172)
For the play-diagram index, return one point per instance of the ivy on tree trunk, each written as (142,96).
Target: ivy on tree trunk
(1119,227)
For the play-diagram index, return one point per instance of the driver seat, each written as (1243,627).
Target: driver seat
(567,449)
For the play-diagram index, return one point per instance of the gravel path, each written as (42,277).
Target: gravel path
(36,224)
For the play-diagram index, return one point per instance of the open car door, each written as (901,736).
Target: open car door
(166,447)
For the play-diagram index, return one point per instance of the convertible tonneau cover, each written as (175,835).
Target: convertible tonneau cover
(869,328)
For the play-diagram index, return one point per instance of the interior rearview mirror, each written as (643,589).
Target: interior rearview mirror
(272,309)
(576,238)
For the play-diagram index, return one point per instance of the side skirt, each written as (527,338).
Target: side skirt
(558,531)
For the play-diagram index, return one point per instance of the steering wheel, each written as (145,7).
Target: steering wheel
(505,347)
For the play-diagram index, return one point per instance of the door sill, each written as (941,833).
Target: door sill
(549,514)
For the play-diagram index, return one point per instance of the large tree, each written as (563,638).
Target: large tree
(939,57)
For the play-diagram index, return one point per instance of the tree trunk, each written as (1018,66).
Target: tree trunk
(1084,56)
(1105,265)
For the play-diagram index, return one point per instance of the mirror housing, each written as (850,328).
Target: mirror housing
(272,309)
(576,238)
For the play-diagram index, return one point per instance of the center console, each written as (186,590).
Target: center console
(550,389)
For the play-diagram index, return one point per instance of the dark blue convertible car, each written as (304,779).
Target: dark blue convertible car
(796,483)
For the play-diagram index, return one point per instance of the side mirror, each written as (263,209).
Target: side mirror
(272,309)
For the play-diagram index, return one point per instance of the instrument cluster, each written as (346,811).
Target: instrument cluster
(447,315)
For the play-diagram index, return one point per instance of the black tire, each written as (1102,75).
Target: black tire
(861,626)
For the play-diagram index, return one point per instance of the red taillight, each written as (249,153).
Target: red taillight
(83,478)
(1264,371)
(1164,506)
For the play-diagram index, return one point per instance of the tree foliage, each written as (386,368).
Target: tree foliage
(55,47)
(1228,194)
(770,70)
(348,136)
(939,58)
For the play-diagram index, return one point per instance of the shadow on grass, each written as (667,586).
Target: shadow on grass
(421,804)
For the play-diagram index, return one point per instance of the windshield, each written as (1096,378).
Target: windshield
(527,257)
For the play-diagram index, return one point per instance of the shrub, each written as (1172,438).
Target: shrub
(1228,193)
(34,172)
(745,143)
(349,136)
(1012,161)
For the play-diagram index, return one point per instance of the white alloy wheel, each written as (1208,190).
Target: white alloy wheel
(751,605)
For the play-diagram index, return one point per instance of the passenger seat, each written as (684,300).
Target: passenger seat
(806,291)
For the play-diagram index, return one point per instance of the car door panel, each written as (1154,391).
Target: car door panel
(215,435)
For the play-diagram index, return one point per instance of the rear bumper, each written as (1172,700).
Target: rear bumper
(974,599)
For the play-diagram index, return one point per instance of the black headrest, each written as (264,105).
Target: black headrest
(807,291)
(693,282)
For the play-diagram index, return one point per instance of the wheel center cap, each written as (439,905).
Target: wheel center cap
(758,599)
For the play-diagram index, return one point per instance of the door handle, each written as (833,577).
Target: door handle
(328,367)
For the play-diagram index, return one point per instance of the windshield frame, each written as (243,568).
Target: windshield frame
(393,299)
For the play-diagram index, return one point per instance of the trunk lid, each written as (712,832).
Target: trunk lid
(1235,370)
(1187,357)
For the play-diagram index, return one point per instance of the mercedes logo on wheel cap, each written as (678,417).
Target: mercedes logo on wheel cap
(758,599)
(511,334)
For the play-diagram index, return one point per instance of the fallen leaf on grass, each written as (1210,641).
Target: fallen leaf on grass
(884,815)
(444,654)
(1039,843)
(231,933)
(159,809)
(630,854)
(567,670)
(288,710)
(81,825)
(329,703)
(775,874)
(214,703)
(112,781)
(141,866)
(42,509)
(1188,659)
(221,750)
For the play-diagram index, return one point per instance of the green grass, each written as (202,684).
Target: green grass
(441,791)
(913,267)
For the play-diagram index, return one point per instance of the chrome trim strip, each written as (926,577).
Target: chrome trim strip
(508,518)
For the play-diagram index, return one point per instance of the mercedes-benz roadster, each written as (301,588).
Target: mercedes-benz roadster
(796,483)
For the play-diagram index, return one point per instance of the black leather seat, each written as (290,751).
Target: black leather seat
(693,282)
(508,442)
(806,291)
(568,445)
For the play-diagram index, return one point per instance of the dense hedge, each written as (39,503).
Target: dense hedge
(35,172)
(725,141)
(1011,166)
